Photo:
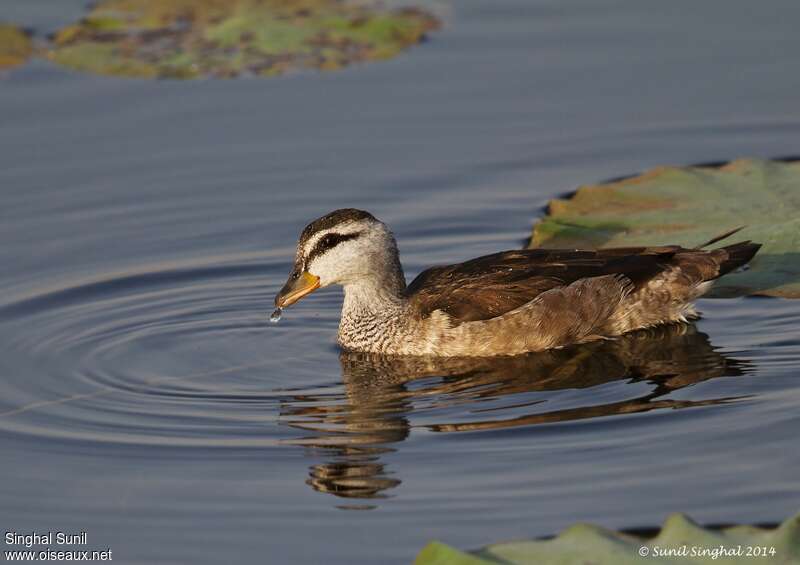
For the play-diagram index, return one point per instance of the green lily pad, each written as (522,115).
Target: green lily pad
(688,206)
(228,38)
(680,541)
(15,46)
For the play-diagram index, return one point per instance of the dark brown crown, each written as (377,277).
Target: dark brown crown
(335,218)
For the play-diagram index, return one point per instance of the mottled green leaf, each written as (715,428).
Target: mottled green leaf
(15,46)
(680,541)
(227,38)
(690,205)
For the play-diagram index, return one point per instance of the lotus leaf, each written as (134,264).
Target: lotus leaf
(680,541)
(227,38)
(690,205)
(15,46)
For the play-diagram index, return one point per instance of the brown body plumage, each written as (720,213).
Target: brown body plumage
(502,304)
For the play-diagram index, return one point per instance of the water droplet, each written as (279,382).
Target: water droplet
(276,315)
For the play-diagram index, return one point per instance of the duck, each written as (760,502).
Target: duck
(507,303)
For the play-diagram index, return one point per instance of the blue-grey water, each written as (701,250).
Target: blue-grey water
(146,399)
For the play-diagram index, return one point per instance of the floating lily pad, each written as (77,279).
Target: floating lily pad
(227,38)
(15,46)
(688,206)
(680,541)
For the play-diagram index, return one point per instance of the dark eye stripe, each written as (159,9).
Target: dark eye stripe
(328,242)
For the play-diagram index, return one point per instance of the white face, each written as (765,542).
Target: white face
(347,252)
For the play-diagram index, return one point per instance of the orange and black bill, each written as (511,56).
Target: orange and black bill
(298,285)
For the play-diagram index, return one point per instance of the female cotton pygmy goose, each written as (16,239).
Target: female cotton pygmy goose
(502,304)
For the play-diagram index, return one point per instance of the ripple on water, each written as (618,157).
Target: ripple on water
(184,356)
(170,356)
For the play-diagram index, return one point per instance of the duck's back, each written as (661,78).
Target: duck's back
(529,300)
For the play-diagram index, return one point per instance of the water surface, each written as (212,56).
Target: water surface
(146,227)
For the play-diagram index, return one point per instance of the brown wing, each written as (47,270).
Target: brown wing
(492,285)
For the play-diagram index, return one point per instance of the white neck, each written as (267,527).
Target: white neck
(375,294)
(373,309)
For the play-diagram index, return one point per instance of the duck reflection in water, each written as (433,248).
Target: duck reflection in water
(384,394)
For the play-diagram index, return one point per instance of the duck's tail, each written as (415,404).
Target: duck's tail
(730,257)
(736,255)
(720,237)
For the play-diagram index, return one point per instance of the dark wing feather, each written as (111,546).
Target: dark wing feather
(492,285)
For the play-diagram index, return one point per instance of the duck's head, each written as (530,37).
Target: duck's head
(344,247)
